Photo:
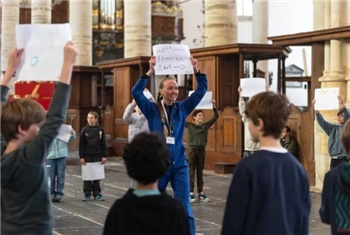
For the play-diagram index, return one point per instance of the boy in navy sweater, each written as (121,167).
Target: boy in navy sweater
(269,193)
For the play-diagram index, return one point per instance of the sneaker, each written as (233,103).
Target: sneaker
(53,198)
(203,198)
(192,198)
(59,197)
(100,198)
(86,198)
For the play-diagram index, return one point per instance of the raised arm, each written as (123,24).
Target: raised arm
(241,105)
(57,111)
(127,116)
(190,103)
(326,126)
(215,117)
(13,63)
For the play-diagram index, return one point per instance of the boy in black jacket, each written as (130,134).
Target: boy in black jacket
(29,131)
(145,210)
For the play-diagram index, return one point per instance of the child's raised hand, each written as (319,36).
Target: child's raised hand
(70,53)
(14,59)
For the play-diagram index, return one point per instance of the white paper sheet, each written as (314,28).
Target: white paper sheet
(93,171)
(252,86)
(64,133)
(326,99)
(172,59)
(148,95)
(206,100)
(43,54)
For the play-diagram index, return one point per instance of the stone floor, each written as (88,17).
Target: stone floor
(73,217)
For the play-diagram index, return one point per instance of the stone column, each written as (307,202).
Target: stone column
(220,22)
(80,19)
(260,30)
(137,28)
(41,11)
(9,20)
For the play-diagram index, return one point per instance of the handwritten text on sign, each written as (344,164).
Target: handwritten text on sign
(172,59)
(326,99)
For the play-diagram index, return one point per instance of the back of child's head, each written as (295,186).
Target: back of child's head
(345,137)
(272,108)
(20,113)
(146,158)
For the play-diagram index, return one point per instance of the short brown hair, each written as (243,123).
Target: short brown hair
(20,113)
(273,109)
(345,137)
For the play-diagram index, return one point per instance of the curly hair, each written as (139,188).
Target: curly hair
(146,158)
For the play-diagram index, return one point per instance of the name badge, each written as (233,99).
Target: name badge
(170,140)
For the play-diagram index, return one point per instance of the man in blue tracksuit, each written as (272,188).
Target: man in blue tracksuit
(167,117)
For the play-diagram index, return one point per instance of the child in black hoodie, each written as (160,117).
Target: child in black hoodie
(145,210)
(92,148)
(335,208)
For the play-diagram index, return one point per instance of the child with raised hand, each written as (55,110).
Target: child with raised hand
(197,141)
(92,148)
(29,132)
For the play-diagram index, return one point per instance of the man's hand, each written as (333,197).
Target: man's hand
(82,161)
(103,160)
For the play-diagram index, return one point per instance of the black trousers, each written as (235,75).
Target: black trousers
(92,186)
(196,166)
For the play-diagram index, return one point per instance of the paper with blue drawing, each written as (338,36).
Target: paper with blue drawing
(43,50)
(172,59)
(327,99)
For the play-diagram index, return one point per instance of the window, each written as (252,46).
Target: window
(244,7)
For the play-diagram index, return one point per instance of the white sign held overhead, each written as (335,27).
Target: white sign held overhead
(206,101)
(64,133)
(172,59)
(327,99)
(43,54)
(252,86)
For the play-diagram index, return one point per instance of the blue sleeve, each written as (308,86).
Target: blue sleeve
(325,209)
(190,103)
(326,126)
(141,100)
(237,203)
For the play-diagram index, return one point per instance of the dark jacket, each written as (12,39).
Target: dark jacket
(335,208)
(4,91)
(25,199)
(198,134)
(92,143)
(291,145)
(147,215)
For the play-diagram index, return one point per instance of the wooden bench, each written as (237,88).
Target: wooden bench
(224,167)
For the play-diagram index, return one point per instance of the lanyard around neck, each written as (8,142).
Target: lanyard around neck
(167,121)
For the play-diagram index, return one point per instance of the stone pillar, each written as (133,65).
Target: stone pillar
(9,20)
(80,19)
(41,11)
(220,22)
(137,28)
(260,30)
